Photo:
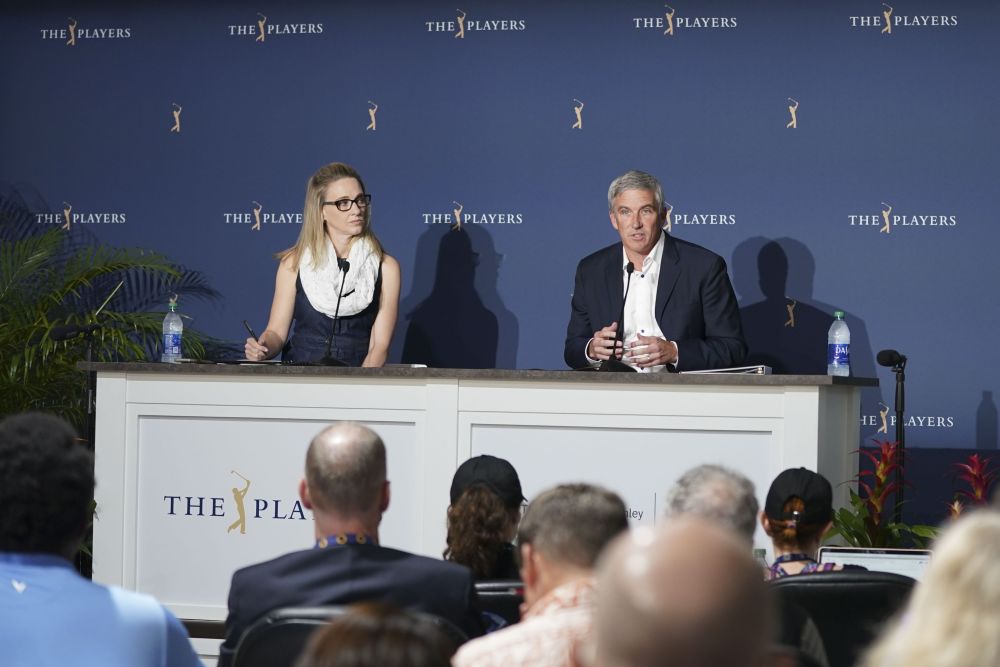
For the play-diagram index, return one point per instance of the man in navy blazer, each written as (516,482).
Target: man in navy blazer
(345,486)
(681,313)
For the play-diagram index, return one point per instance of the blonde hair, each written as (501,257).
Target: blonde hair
(953,614)
(313,234)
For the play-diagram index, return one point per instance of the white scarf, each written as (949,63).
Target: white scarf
(322,283)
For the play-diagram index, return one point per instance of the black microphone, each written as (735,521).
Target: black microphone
(890,358)
(615,364)
(71,331)
(345,266)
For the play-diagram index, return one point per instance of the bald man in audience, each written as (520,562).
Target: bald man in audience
(562,534)
(346,489)
(686,594)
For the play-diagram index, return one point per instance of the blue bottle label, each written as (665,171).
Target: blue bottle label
(838,354)
(172,344)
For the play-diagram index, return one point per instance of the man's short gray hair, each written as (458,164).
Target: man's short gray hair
(636,180)
(717,493)
(345,468)
(572,523)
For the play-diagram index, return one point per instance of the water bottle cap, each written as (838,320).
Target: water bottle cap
(839,314)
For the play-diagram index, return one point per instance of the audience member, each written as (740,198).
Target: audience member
(483,516)
(346,488)
(686,594)
(728,499)
(798,511)
(49,614)
(561,535)
(718,494)
(953,614)
(378,635)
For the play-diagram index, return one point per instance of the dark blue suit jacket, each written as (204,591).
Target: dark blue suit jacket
(695,305)
(351,573)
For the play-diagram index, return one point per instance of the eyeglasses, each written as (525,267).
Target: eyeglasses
(345,204)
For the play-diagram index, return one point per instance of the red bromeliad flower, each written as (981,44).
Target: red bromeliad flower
(886,462)
(977,474)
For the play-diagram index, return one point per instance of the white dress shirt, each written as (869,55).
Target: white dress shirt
(640,303)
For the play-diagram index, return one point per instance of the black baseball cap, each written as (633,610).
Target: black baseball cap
(496,474)
(814,490)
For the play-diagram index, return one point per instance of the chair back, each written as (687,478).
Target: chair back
(502,598)
(279,638)
(849,607)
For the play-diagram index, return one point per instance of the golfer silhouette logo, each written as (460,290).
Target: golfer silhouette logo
(261,22)
(72,32)
(668,219)
(793,109)
(239,495)
(670,20)
(457,211)
(372,110)
(460,33)
(177,118)
(790,307)
(578,110)
(67,215)
(883,414)
(886,212)
(887,13)
(258,207)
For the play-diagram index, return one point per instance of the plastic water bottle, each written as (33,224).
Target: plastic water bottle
(173,329)
(838,347)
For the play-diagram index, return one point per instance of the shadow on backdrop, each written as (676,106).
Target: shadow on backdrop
(986,423)
(786,329)
(462,322)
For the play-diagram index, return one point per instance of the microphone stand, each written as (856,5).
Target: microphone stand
(328,360)
(900,370)
(615,364)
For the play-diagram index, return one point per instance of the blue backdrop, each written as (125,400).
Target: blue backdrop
(833,162)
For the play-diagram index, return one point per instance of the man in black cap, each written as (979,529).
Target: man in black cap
(483,516)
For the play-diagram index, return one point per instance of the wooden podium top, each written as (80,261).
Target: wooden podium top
(400,371)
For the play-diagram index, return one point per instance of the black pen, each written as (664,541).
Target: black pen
(250,329)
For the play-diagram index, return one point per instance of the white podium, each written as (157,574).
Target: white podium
(198,465)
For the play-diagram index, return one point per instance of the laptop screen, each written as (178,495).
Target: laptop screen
(909,562)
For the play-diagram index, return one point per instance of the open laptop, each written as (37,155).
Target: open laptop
(910,562)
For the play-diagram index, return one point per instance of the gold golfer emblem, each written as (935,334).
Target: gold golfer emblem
(790,307)
(578,110)
(668,209)
(371,114)
(72,32)
(883,413)
(458,216)
(886,212)
(260,27)
(67,215)
(239,495)
(887,13)
(256,216)
(177,118)
(670,20)
(793,109)
(460,33)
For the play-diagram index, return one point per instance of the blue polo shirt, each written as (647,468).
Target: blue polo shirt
(50,615)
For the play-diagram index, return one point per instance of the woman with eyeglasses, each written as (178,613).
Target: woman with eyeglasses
(336,283)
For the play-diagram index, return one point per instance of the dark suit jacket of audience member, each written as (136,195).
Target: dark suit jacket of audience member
(340,575)
(695,305)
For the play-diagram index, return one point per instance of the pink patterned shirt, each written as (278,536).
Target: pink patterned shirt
(545,637)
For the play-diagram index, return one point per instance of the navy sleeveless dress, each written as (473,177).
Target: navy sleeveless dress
(312,331)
